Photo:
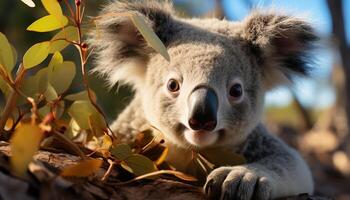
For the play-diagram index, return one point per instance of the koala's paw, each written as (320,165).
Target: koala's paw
(238,183)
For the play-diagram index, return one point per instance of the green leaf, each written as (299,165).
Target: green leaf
(73,129)
(5,89)
(62,75)
(33,85)
(43,80)
(36,54)
(48,23)
(83,95)
(29,3)
(50,93)
(149,35)
(57,58)
(15,55)
(138,164)
(81,111)
(69,33)
(6,54)
(52,7)
(121,151)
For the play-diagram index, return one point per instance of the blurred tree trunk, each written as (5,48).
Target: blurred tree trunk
(219,11)
(338,28)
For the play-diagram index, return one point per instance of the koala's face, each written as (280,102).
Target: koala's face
(211,92)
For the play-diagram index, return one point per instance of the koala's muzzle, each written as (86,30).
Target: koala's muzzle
(203,106)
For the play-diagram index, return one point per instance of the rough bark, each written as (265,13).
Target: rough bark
(43,182)
(338,29)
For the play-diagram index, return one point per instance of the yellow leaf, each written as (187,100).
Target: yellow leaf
(149,35)
(24,144)
(69,33)
(138,164)
(56,59)
(52,7)
(83,168)
(6,54)
(29,3)
(62,75)
(106,142)
(121,151)
(36,54)
(48,23)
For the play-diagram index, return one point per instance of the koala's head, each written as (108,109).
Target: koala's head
(211,93)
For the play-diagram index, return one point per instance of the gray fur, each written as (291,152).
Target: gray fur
(264,50)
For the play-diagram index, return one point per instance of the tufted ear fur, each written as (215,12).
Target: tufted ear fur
(122,53)
(282,44)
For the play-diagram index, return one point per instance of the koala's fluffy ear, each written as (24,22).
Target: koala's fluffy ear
(282,43)
(121,52)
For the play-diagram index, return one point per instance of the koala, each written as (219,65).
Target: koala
(210,95)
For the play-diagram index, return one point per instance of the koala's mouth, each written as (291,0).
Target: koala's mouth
(202,138)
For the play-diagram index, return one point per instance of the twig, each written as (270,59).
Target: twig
(74,147)
(108,172)
(11,102)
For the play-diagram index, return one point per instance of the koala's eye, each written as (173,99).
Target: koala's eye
(173,85)
(236,91)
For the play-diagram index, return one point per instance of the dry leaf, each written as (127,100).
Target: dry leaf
(83,169)
(24,144)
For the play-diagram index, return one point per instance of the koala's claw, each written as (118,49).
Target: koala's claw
(237,183)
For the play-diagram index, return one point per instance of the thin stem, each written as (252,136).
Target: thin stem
(83,59)
(11,102)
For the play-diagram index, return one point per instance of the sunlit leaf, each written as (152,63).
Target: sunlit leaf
(121,151)
(149,35)
(83,168)
(138,164)
(6,54)
(77,96)
(29,3)
(36,54)
(106,142)
(73,129)
(48,23)
(62,75)
(69,33)
(24,144)
(57,58)
(81,112)
(52,7)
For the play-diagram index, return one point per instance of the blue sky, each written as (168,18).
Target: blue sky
(315,92)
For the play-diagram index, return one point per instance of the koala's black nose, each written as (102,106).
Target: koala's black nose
(203,106)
